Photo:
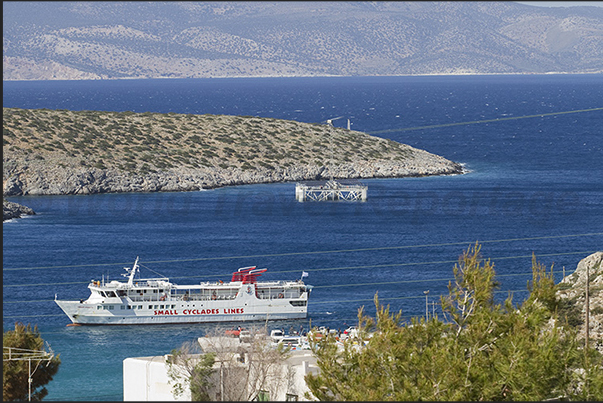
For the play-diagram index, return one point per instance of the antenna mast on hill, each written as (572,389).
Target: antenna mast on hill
(330,123)
(332,190)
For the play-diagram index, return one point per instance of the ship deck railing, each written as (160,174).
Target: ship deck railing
(193,297)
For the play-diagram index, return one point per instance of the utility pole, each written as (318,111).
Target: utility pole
(29,379)
(331,148)
(587,309)
(586,335)
(221,382)
(20,354)
(426,306)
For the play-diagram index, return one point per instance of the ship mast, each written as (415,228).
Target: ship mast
(133,271)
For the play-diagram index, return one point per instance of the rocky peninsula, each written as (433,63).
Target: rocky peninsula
(60,152)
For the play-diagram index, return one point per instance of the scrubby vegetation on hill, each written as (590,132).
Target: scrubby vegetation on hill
(148,142)
(68,152)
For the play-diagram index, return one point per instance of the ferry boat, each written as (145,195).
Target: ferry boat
(159,301)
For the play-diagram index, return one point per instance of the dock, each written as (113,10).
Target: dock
(330,190)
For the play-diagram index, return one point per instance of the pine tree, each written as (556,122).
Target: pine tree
(24,355)
(481,350)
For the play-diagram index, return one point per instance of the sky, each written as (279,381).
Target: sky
(562,3)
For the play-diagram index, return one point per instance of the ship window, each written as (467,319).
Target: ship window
(150,306)
(139,306)
(156,306)
(145,291)
(111,294)
(298,303)
(129,307)
(99,307)
(155,291)
(160,306)
(122,307)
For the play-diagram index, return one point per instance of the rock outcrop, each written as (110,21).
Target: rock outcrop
(572,289)
(14,210)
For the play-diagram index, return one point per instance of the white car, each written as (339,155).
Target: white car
(276,335)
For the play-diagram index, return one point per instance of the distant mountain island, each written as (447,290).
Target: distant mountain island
(110,40)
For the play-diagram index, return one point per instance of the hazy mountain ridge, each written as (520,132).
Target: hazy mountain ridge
(70,40)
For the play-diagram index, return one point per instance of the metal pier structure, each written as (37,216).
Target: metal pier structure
(330,190)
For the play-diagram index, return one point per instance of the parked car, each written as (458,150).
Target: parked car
(293,342)
(245,336)
(276,335)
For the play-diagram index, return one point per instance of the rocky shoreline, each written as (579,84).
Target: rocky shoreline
(40,179)
(12,210)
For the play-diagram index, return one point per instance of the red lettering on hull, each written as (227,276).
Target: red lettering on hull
(225,311)
(166,312)
(229,311)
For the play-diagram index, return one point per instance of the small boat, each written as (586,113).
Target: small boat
(159,301)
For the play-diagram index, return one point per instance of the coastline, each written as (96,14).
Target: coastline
(106,182)
(32,180)
(96,181)
(549,73)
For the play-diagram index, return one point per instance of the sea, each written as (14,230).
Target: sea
(533,189)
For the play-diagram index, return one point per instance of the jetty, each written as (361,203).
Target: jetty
(330,190)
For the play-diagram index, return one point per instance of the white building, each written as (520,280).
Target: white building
(146,378)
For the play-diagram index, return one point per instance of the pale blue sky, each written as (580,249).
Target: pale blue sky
(562,3)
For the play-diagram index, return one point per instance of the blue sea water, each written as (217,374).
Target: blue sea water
(535,186)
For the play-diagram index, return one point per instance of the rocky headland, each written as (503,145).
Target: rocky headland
(59,152)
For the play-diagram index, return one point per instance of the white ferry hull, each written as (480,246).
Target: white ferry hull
(87,314)
(158,301)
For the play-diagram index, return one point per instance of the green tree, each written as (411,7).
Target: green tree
(187,368)
(231,369)
(24,355)
(480,350)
